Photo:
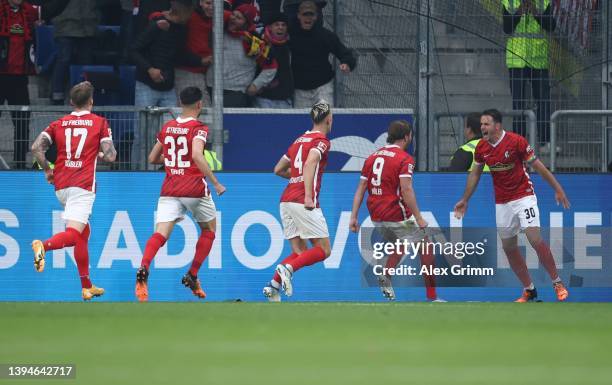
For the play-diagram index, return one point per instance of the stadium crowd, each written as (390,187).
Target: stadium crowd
(170,44)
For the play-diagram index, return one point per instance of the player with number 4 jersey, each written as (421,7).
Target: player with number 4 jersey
(180,148)
(387,177)
(516,206)
(81,138)
(303,164)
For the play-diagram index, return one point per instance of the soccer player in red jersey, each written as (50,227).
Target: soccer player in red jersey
(180,147)
(81,138)
(516,206)
(303,164)
(387,177)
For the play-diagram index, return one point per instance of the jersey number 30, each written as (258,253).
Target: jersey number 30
(175,158)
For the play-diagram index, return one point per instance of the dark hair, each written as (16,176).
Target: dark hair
(182,4)
(81,93)
(190,96)
(495,114)
(320,111)
(473,123)
(397,130)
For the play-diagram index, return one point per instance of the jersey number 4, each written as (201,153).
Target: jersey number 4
(82,134)
(175,158)
(377,169)
(297,163)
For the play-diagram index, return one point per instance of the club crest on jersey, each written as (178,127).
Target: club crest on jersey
(507,154)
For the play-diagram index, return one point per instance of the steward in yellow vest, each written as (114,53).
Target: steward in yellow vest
(527,58)
(463,159)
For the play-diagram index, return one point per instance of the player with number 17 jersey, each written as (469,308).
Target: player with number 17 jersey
(77,137)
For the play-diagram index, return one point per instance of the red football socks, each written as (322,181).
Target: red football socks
(546,259)
(519,266)
(285,261)
(202,250)
(307,258)
(66,238)
(81,257)
(428,259)
(153,244)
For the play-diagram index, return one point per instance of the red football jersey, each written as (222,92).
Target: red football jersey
(183,177)
(77,137)
(506,159)
(383,170)
(297,155)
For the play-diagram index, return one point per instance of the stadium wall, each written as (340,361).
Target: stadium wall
(250,241)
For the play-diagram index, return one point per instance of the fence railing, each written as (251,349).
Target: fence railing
(601,143)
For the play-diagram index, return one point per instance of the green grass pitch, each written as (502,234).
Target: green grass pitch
(312,343)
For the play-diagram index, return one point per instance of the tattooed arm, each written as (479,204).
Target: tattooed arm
(39,148)
(107,151)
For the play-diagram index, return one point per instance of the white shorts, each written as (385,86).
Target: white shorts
(517,215)
(77,203)
(170,209)
(408,230)
(299,222)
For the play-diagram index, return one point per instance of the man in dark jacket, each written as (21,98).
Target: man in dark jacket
(279,93)
(463,159)
(17,20)
(310,48)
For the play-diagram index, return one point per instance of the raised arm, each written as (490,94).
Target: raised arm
(472,183)
(560,196)
(409,199)
(197,151)
(357,200)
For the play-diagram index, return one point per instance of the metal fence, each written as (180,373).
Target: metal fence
(133,129)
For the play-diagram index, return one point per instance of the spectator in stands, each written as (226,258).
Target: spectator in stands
(199,38)
(310,48)
(527,59)
(243,52)
(143,10)
(290,8)
(17,19)
(156,52)
(75,29)
(279,93)
(463,159)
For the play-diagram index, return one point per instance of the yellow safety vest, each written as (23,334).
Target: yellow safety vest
(213,162)
(528,46)
(471,147)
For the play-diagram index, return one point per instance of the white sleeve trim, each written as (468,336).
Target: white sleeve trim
(107,139)
(477,163)
(318,151)
(286,157)
(48,136)
(405,176)
(363,177)
(203,139)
